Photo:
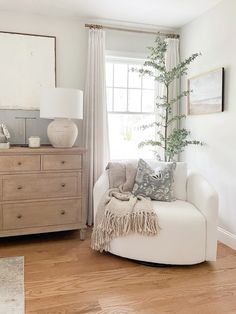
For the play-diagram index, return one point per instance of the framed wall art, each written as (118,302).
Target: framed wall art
(207,93)
(27,63)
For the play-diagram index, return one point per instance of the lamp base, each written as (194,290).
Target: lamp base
(62,133)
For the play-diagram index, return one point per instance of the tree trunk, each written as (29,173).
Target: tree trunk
(166,122)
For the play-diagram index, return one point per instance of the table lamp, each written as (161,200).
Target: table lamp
(62,105)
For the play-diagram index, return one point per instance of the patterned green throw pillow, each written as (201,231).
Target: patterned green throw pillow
(156,184)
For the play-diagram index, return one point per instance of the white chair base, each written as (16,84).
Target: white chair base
(188,227)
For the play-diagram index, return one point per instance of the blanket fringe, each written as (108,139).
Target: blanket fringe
(112,226)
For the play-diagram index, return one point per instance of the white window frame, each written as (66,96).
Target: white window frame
(128,61)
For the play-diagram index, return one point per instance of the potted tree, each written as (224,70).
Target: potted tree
(170,138)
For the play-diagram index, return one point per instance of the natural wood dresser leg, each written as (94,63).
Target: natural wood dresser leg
(82,234)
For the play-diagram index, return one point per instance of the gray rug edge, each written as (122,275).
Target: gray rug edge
(20,260)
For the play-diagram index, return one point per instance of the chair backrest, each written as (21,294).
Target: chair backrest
(180,175)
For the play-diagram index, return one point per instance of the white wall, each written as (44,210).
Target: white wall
(71,41)
(71,38)
(213,34)
(128,44)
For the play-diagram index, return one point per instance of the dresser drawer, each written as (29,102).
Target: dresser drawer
(61,162)
(40,186)
(19,163)
(23,215)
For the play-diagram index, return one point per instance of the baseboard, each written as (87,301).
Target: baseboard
(227,238)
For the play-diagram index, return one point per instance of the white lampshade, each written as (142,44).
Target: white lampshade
(61,103)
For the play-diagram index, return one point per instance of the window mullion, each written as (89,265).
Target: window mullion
(127,97)
(113,75)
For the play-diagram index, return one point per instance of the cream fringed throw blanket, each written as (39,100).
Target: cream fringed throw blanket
(120,213)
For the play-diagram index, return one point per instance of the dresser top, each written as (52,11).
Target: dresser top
(44,149)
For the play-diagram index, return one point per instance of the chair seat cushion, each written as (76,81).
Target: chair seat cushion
(181,240)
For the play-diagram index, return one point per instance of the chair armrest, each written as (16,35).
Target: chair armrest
(202,195)
(100,187)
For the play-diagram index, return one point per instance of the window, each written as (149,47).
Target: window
(130,104)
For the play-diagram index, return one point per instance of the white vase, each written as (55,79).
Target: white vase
(62,133)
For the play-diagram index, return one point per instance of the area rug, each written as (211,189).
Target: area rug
(12,285)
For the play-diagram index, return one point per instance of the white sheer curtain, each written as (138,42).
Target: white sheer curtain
(172,59)
(95,121)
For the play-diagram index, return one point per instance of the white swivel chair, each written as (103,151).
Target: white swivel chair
(188,225)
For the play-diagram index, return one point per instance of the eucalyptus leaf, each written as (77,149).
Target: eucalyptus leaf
(172,141)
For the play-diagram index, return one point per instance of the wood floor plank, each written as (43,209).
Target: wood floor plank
(64,276)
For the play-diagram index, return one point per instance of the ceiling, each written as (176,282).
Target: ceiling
(167,13)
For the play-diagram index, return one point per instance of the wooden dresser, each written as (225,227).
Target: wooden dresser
(41,190)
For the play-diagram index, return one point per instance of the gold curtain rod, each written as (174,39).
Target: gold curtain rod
(168,35)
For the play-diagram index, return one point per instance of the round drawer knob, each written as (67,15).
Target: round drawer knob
(63,185)
(63,162)
(19,163)
(63,212)
(19,216)
(19,187)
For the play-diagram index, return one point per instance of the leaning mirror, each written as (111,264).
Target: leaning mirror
(27,63)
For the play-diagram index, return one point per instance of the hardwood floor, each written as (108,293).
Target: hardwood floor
(63,275)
